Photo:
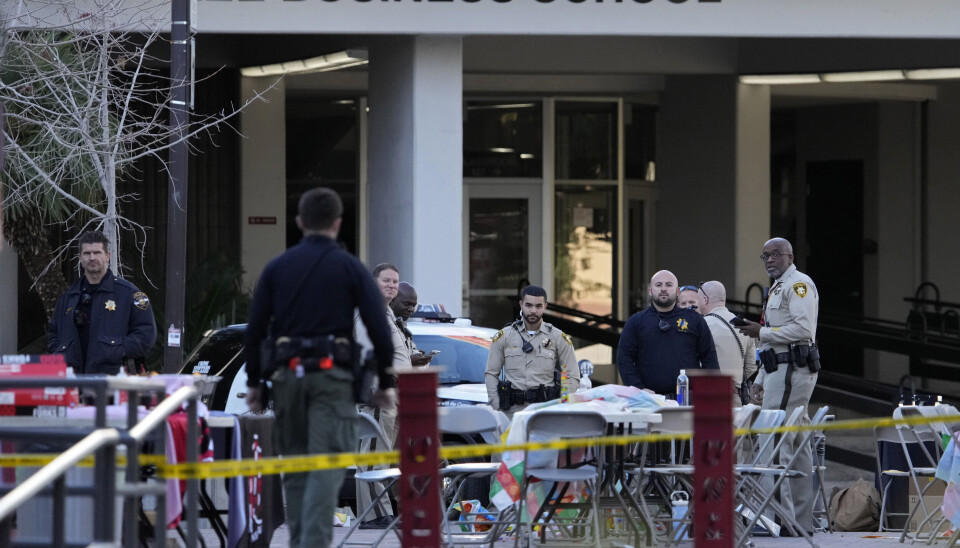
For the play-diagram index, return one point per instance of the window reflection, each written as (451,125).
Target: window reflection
(585,248)
(586,140)
(498,257)
(323,148)
(502,139)
(639,141)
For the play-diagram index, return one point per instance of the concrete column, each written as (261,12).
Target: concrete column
(263,175)
(889,219)
(415,169)
(714,178)
(942,247)
(752,208)
(8,298)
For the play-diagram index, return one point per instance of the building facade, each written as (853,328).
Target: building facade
(585,145)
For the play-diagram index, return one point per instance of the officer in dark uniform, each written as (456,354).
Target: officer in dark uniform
(101,319)
(305,301)
(660,340)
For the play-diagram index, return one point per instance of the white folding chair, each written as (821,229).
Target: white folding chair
(890,436)
(749,456)
(550,424)
(470,423)
(821,504)
(751,492)
(922,464)
(659,481)
(368,429)
(744,417)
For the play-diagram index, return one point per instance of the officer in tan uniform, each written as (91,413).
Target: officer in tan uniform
(790,361)
(533,357)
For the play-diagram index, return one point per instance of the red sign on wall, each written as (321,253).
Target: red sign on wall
(262,220)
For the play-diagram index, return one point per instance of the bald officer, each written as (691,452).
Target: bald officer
(736,353)
(534,357)
(790,361)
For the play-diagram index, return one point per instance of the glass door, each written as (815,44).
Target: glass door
(587,171)
(503,242)
(639,222)
(585,247)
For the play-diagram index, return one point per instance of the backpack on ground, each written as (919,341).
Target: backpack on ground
(856,508)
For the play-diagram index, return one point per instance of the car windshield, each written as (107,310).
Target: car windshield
(215,353)
(463,359)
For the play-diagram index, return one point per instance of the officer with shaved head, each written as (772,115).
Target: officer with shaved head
(790,360)
(660,340)
(736,352)
(403,306)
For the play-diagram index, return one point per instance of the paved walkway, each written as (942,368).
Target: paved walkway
(835,540)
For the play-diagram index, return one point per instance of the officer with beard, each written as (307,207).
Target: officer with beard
(102,319)
(660,340)
(533,356)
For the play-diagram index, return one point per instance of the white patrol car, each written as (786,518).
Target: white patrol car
(462,359)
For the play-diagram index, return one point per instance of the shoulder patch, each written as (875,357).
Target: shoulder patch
(141,300)
(497,335)
(800,289)
(567,338)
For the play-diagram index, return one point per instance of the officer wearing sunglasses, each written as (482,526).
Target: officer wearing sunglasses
(102,319)
(530,360)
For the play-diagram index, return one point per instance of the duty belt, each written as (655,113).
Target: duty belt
(799,355)
(312,354)
(784,357)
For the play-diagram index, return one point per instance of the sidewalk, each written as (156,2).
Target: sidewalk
(835,540)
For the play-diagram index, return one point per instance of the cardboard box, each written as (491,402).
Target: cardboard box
(932,499)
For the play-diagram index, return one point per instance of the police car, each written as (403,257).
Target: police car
(462,350)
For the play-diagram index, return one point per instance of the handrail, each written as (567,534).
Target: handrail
(59,466)
(103,438)
(160,413)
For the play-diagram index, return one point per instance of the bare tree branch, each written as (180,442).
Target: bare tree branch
(85,101)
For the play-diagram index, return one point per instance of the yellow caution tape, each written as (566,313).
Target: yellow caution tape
(306,463)
(43,459)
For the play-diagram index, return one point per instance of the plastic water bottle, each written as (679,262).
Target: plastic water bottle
(683,388)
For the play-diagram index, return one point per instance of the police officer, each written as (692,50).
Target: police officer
(101,319)
(736,353)
(534,357)
(790,361)
(403,306)
(305,300)
(662,339)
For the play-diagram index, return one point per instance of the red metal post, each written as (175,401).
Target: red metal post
(419,442)
(713,461)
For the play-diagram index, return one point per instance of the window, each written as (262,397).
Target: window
(586,146)
(503,139)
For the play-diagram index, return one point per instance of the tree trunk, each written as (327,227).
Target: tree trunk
(28,236)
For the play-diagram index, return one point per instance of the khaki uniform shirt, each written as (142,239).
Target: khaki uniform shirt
(407,341)
(736,352)
(530,370)
(401,352)
(791,313)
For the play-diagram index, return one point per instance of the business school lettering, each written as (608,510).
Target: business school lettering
(509,1)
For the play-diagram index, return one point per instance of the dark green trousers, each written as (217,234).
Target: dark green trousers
(315,414)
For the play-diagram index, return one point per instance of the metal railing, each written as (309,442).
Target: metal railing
(102,442)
